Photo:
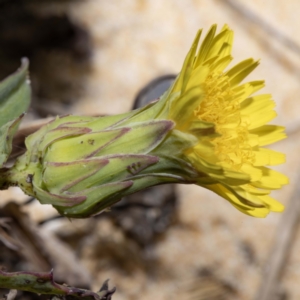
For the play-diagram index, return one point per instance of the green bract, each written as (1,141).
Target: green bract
(82,165)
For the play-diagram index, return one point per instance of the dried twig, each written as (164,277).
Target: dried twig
(280,249)
(259,21)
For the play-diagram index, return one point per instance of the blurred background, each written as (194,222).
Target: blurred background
(96,57)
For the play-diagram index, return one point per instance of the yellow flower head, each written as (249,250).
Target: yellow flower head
(229,123)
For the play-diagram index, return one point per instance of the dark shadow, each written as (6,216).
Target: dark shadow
(59,51)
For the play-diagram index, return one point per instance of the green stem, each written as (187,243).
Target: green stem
(15,176)
(4,179)
(43,283)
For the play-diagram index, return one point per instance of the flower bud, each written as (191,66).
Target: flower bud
(82,165)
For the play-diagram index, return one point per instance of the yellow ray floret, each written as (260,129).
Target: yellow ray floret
(230,124)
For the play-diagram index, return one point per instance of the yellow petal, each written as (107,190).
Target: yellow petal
(241,70)
(222,191)
(235,178)
(187,66)
(253,172)
(221,63)
(272,204)
(243,73)
(205,46)
(243,91)
(271,179)
(257,212)
(217,44)
(268,157)
(269,134)
(257,111)
(248,196)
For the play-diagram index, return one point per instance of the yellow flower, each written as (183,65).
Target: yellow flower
(207,129)
(230,125)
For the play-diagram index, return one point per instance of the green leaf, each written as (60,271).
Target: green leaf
(7,133)
(15,94)
(14,101)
